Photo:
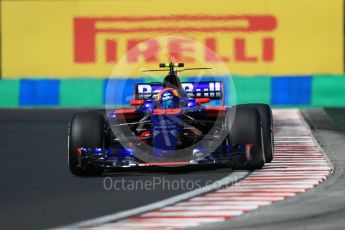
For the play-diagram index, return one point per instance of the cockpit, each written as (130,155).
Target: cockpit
(168,98)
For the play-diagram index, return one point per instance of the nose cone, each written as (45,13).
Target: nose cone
(166,129)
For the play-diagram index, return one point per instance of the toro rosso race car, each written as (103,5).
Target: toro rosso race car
(171,124)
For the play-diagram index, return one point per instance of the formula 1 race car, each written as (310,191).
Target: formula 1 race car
(171,125)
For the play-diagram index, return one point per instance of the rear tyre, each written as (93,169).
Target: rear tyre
(85,130)
(246,128)
(267,125)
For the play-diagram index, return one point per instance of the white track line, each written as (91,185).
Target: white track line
(230,179)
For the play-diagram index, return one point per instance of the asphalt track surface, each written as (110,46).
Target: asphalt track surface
(320,208)
(37,191)
(298,166)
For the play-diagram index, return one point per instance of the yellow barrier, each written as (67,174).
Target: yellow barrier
(87,38)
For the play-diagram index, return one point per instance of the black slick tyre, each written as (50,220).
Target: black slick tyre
(267,126)
(246,129)
(85,130)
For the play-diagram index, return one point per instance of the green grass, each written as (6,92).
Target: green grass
(338,116)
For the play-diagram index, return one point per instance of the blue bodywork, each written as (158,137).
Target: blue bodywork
(154,132)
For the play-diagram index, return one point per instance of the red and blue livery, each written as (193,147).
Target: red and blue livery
(171,123)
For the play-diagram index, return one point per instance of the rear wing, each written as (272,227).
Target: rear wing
(210,89)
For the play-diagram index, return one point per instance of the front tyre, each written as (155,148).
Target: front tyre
(267,126)
(246,129)
(85,130)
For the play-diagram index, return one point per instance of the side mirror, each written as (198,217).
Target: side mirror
(200,101)
(135,102)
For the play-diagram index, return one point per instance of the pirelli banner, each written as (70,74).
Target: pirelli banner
(67,39)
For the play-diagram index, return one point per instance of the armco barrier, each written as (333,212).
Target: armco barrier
(318,90)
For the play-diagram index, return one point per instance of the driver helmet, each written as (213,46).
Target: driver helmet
(169,98)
